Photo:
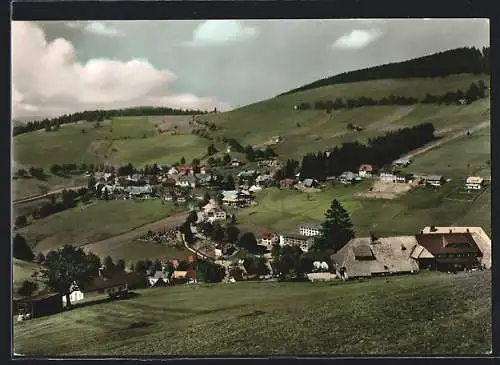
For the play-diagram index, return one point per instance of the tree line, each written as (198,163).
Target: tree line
(99,116)
(378,151)
(473,93)
(456,61)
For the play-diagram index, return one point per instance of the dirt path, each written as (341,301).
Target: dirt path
(125,238)
(462,133)
(385,123)
(42,196)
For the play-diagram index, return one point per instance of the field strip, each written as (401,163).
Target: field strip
(478,127)
(171,221)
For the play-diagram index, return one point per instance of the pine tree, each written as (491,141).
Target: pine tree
(337,229)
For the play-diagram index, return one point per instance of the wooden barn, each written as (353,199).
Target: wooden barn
(40,305)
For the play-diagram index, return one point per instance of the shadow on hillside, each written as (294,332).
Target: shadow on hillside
(129,295)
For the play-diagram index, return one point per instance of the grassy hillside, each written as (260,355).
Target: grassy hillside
(256,123)
(294,319)
(122,140)
(24,270)
(137,140)
(284,210)
(85,224)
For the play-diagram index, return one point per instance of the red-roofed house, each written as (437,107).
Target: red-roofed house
(367,170)
(287,183)
(269,238)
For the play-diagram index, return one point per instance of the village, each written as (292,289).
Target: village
(213,202)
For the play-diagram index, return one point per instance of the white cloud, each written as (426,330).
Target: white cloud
(357,39)
(47,79)
(220,32)
(97,28)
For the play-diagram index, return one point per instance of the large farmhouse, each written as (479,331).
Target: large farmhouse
(441,251)
(362,257)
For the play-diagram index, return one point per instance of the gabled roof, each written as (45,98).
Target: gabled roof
(367,168)
(474,180)
(310,225)
(437,243)
(434,178)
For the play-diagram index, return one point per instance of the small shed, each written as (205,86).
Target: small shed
(40,305)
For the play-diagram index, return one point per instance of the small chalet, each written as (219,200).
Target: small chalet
(347,177)
(367,170)
(186,181)
(310,183)
(474,183)
(435,180)
(264,181)
(269,238)
(235,162)
(402,162)
(204,169)
(159,278)
(173,171)
(276,139)
(287,183)
(114,282)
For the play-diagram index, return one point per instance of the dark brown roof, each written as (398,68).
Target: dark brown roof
(362,251)
(111,278)
(438,243)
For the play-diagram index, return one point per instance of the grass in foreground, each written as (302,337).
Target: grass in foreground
(100,220)
(425,314)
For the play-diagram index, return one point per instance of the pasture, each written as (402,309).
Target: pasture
(100,220)
(314,130)
(284,210)
(459,158)
(120,141)
(131,251)
(385,316)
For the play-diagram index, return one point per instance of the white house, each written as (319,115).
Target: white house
(173,171)
(366,170)
(387,177)
(186,181)
(435,180)
(474,183)
(268,239)
(75,296)
(310,230)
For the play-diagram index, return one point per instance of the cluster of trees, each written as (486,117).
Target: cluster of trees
(289,170)
(234,144)
(36,172)
(20,248)
(69,199)
(99,116)
(258,154)
(473,93)
(379,151)
(441,64)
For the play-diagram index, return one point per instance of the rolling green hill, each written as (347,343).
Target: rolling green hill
(255,124)
(137,140)
(425,314)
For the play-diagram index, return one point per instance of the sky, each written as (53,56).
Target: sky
(64,67)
